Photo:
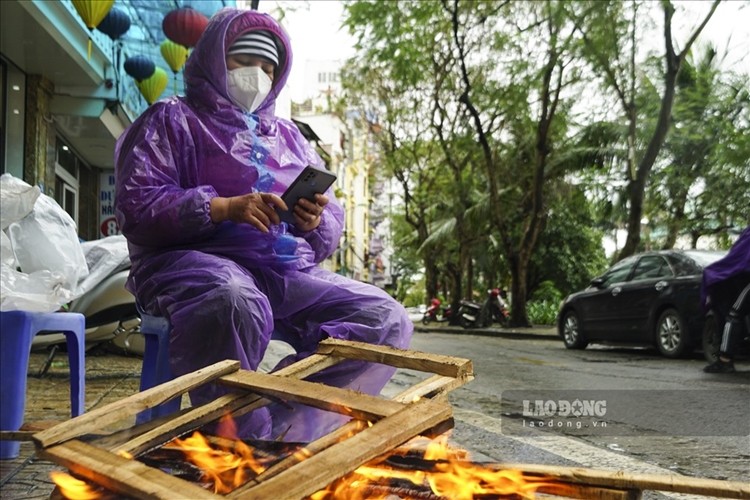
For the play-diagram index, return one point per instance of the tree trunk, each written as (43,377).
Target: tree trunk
(637,185)
(518,316)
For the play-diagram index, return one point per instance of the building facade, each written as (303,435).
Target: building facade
(65,98)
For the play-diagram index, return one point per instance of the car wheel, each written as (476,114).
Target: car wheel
(711,338)
(671,334)
(571,332)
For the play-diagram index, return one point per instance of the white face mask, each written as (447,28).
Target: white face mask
(248,87)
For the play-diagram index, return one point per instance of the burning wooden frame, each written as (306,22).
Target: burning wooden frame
(416,411)
(419,410)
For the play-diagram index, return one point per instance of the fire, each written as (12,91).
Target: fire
(70,487)
(447,474)
(225,467)
(420,469)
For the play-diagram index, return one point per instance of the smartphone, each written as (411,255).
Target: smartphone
(309,182)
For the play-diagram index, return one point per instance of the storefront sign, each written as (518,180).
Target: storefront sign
(107,223)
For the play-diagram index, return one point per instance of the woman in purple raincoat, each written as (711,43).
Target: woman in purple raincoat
(197,179)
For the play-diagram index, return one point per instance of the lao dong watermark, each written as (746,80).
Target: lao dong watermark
(627,412)
(563,413)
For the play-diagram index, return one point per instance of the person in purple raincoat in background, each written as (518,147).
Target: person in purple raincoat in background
(197,179)
(726,290)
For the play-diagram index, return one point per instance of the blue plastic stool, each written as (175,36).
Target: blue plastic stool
(17,332)
(156,368)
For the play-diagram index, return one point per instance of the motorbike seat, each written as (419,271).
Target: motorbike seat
(18,329)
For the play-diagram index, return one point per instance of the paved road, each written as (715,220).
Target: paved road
(646,394)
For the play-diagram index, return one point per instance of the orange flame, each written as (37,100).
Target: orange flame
(71,487)
(451,476)
(225,468)
(438,469)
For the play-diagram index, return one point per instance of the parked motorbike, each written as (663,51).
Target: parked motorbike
(109,309)
(475,315)
(436,313)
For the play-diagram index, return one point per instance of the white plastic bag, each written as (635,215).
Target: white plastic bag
(16,199)
(47,260)
(104,257)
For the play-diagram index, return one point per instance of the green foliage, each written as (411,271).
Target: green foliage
(547,292)
(542,312)
(454,228)
(570,251)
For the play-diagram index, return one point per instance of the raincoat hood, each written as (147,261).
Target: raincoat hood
(206,74)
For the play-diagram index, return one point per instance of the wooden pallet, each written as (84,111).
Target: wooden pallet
(419,410)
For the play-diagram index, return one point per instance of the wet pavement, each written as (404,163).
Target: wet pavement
(111,377)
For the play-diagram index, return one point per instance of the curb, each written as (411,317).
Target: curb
(537,333)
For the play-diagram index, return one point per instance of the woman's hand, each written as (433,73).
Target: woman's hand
(307,213)
(256,209)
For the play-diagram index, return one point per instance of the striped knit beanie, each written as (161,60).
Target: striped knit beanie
(256,43)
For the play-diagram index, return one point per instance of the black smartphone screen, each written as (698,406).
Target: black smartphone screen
(309,182)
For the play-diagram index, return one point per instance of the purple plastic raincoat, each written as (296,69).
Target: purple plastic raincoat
(724,279)
(227,288)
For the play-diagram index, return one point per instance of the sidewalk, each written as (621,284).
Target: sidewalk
(536,332)
(109,378)
(112,377)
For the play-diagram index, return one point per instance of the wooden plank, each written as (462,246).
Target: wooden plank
(237,404)
(131,405)
(344,401)
(187,422)
(122,475)
(16,435)
(582,491)
(321,469)
(344,432)
(309,365)
(625,481)
(448,366)
(430,388)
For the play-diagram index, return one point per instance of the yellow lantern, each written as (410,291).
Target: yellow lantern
(92,12)
(152,87)
(175,55)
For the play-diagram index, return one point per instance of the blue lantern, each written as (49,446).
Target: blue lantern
(115,24)
(139,67)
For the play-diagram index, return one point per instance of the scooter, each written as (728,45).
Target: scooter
(472,314)
(475,315)
(435,313)
(109,308)
(498,308)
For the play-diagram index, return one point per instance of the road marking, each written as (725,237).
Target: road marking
(572,449)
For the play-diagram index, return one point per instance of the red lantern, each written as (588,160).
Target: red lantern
(184,26)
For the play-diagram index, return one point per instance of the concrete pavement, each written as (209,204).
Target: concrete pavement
(111,377)
(538,332)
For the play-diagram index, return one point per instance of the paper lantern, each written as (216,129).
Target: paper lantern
(115,24)
(152,87)
(92,12)
(175,54)
(139,67)
(184,26)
